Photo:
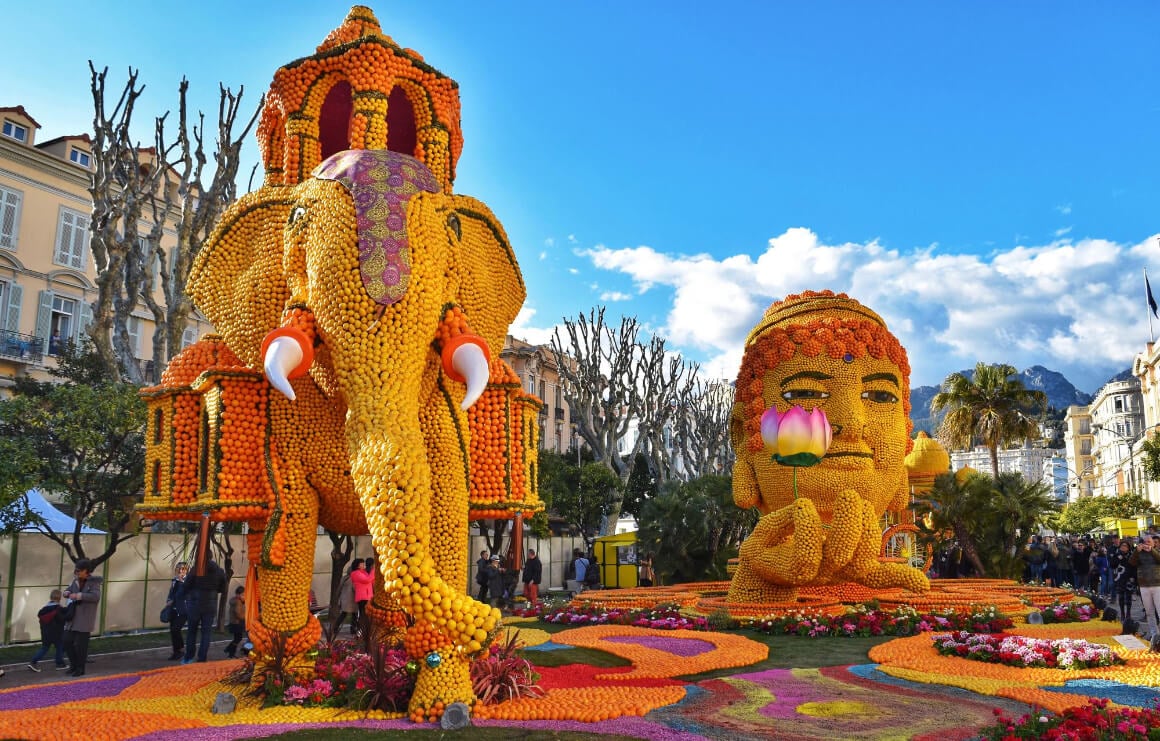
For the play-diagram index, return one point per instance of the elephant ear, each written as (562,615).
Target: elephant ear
(484,276)
(380,182)
(236,279)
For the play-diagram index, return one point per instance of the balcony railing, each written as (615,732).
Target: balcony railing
(23,347)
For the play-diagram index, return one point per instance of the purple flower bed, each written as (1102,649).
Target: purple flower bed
(674,646)
(43,696)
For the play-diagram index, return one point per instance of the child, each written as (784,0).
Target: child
(237,623)
(51,618)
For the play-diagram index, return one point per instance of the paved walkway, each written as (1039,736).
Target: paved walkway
(19,675)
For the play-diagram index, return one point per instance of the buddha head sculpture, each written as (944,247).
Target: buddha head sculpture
(821,350)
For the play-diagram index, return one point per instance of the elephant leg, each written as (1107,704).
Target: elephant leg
(286,630)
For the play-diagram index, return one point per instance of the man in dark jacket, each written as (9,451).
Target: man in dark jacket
(201,602)
(481,575)
(533,572)
(1124,575)
(1146,559)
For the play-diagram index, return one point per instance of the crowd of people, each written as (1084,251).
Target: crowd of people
(69,617)
(1116,569)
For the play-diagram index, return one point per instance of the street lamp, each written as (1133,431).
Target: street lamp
(1130,442)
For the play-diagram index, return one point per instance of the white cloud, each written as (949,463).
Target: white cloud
(615,296)
(544,255)
(1073,306)
(574,271)
(1064,209)
(1063,232)
(522,328)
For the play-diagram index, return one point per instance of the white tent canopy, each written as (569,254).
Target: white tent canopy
(56,520)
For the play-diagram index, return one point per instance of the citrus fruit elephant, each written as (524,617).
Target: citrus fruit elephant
(384,295)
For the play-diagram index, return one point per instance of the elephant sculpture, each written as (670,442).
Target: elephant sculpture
(371,299)
(352,382)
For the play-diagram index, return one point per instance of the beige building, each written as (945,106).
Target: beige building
(47,274)
(539,375)
(1077,444)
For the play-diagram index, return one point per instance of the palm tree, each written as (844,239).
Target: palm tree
(1015,510)
(993,407)
(954,503)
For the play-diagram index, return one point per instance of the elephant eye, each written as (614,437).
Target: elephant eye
(454,225)
(296,214)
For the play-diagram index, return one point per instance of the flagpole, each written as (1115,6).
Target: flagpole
(1151,337)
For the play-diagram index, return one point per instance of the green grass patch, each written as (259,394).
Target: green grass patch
(797,652)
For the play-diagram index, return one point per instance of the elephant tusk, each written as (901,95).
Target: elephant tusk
(470,363)
(283,355)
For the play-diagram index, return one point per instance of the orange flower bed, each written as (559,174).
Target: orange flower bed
(587,704)
(705,598)
(803,602)
(643,598)
(728,650)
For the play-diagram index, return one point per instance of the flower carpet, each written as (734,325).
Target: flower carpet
(909,691)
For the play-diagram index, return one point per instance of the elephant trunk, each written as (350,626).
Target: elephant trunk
(390,467)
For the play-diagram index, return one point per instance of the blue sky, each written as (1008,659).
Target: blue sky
(985,175)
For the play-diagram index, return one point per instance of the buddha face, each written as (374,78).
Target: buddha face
(863,400)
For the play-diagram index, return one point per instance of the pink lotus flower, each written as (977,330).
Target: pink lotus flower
(797,438)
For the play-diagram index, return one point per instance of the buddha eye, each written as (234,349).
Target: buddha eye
(804,394)
(881,397)
(454,225)
(296,214)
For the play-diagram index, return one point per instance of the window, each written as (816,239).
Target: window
(79,157)
(133,328)
(71,239)
(62,323)
(13,130)
(1119,403)
(9,217)
(188,337)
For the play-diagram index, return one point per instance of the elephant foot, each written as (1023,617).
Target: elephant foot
(444,678)
(284,655)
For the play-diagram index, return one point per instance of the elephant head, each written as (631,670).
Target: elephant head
(387,278)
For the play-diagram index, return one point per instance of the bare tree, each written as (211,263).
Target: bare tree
(701,429)
(611,380)
(666,381)
(138,193)
(341,549)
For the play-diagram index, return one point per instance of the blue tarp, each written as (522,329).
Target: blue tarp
(56,520)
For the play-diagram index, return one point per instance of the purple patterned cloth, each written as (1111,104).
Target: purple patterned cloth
(380,182)
(674,646)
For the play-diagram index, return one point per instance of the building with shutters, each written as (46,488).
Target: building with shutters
(47,274)
(539,375)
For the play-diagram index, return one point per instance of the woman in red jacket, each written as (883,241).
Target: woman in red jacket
(363,581)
